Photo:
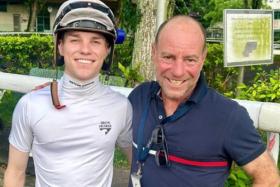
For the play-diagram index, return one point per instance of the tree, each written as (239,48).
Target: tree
(216,8)
(145,35)
(34,6)
(256,4)
(196,9)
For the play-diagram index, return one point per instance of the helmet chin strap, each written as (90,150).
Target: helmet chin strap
(54,84)
(54,94)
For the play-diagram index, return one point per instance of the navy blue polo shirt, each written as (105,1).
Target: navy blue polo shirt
(213,129)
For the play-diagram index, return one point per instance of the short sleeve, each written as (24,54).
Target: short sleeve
(243,142)
(125,138)
(21,133)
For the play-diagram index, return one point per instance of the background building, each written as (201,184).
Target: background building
(14,15)
(275,5)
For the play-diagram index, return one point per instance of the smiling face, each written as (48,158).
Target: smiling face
(84,53)
(178,56)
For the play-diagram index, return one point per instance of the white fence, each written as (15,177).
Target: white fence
(266,116)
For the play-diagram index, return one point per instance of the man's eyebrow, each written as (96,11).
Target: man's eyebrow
(77,36)
(73,35)
(166,53)
(97,37)
(191,56)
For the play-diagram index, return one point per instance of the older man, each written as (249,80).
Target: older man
(186,134)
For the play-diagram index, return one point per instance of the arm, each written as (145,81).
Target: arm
(263,171)
(15,173)
(128,152)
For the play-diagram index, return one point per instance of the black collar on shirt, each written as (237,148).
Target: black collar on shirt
(200,89)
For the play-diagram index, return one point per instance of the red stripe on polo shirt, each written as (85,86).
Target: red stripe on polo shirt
(197,163)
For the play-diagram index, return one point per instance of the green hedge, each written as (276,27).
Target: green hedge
(21,53)
(266,87)
(219,77)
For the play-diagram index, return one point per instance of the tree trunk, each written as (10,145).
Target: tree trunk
(33,15)
(246,4)
(29,17)
(144,37)
(256,4)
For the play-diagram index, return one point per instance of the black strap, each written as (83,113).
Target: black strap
(142,150)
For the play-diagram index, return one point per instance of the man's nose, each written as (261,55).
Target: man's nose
(85,47)
(178,68)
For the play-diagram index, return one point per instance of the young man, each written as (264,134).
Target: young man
(186,134)
(73,143)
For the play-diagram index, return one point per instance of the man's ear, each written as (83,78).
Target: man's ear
(204,54)
(153,51)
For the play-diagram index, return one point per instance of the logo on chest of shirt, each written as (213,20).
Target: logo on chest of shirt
(105,126)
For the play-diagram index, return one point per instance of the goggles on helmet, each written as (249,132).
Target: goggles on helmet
(88,15)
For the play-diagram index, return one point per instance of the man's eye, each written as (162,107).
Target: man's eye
(73,40)
(95,41)
(191,61)
(167,57)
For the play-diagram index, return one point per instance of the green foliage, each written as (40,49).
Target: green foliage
(277,37)
(21,53)
(129,18)
(196,9)
(266,88)
(112,80)
(211,12)
(123,55)
(207,12)
(216,7)
(217,76)
(120,159)
(131,75)
(7,105)
(238,178)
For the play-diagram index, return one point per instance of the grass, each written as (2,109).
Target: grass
(120,160)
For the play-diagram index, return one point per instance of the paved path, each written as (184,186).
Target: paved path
(120,178)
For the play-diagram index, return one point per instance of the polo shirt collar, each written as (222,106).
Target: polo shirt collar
(200,90)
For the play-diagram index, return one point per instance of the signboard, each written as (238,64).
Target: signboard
(248,37)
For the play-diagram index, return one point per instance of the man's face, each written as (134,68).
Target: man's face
(178,57)
(84,53)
